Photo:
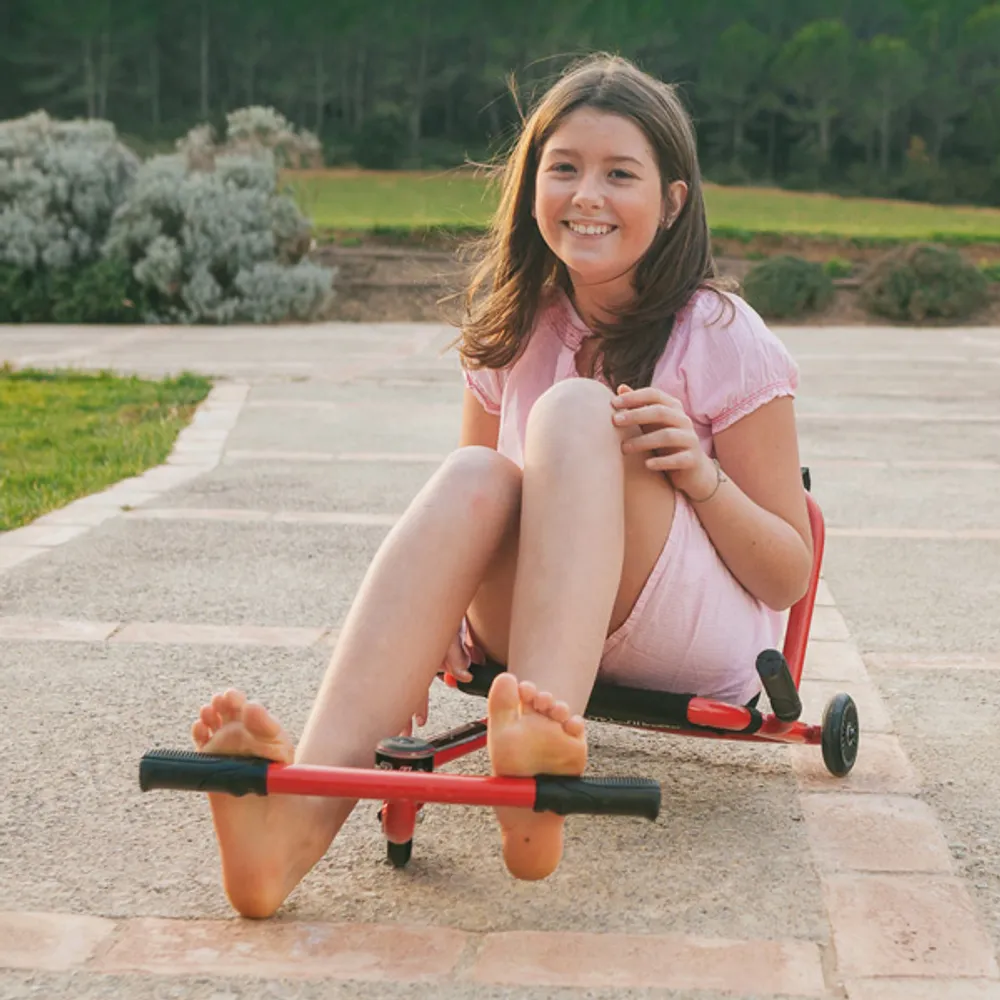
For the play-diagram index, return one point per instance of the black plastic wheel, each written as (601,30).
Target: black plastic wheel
(398,854)
(840,735)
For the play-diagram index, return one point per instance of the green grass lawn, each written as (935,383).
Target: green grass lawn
(64,435)
(359,200)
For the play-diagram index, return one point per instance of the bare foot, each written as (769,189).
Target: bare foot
(531,733)
(251,829)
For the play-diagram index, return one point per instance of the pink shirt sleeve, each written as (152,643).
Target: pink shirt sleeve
(487,386)
(733,363)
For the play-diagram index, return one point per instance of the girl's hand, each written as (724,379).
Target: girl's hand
(668,435)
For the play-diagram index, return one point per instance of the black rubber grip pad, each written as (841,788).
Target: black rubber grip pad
(187,771)
(597,796)
(782,693)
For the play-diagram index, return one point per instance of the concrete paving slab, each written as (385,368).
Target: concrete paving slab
(939,597)
(21,341)
(304,350)
(377,487)
(906,925)
(896,385)
(198,571)
(417,392)
(913,498)
(380,426)
(947,723)
(822,440)
(11,555)
(51,942)
(875,833)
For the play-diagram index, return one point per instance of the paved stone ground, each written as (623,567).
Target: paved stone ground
(234,564)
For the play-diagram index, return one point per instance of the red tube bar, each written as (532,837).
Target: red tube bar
(413,786)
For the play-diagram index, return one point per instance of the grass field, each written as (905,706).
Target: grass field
(360,200)
(64,435)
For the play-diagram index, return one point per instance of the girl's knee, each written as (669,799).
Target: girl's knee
(570,405)
(481,475)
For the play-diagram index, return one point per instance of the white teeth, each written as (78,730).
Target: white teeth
(590,230)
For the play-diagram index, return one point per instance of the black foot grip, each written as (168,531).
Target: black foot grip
(597,796)
(781,690)
(184,770)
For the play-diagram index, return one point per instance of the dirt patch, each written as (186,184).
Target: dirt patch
(378,282)
(821,250)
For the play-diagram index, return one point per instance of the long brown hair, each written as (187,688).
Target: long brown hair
(516,266)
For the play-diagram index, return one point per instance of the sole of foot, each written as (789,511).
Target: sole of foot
(530,733)
(249,829)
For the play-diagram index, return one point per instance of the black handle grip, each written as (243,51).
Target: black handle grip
(184,770)
(597,796)
(781,690)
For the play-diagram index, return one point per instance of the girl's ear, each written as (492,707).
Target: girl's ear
(677,192)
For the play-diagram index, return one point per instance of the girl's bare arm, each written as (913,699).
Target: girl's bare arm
(759,522)
(478,426)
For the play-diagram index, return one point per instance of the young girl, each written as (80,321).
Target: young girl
(651,534)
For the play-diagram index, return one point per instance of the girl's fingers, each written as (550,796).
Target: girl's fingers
(628,398)
(663,437)
(456,661)
(652,413)
(671,463)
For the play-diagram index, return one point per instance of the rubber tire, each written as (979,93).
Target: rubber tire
(398,854)
(840,735)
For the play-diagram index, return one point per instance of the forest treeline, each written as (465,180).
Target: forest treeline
(878,97)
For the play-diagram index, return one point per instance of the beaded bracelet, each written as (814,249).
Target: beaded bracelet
(721,478)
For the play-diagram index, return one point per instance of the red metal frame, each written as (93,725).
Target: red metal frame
(398,817)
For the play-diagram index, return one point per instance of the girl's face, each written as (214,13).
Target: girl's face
(598,202)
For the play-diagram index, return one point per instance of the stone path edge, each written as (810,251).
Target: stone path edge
(197,450)
(896,907)
(65,942)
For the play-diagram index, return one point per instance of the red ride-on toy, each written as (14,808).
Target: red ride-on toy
(404,777)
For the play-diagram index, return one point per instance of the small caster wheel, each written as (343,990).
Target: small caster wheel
(840,735)
(398,854)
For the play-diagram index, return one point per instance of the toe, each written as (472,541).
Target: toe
(210,717)
(504,700)
(560,712)
(201,734)
(575,726)
(528,693)
(543,703)
(229,705)
(260,722)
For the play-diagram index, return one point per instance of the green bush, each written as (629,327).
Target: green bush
(991,271)
(923,281)
(102,291)
(837,267)
(787,286)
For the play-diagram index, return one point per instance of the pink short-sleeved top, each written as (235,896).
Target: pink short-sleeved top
(719,363)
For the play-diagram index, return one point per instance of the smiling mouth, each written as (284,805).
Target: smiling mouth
(590,229)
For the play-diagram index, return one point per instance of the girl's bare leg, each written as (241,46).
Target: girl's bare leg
(592,527)
(394,639)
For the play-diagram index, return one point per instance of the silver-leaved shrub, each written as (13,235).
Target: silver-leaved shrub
(209,235)
(60,184)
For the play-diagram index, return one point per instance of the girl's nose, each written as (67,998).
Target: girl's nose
(588,193)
